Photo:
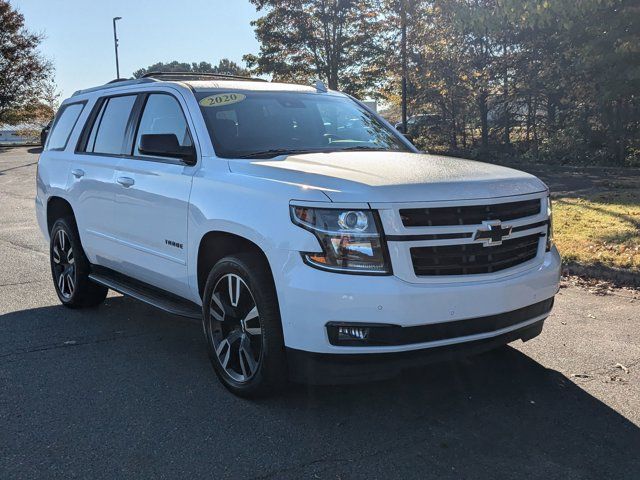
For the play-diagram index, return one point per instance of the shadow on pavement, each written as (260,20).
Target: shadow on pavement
(132,393)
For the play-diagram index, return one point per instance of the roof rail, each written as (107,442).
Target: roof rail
(118,82)
(203,75)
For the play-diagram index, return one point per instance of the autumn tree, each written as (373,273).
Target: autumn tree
(23,72)
(336,41)
(224,66)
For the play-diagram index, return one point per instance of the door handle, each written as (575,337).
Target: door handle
(78,173)
(126,182)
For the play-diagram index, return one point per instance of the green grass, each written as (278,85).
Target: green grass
(603,229)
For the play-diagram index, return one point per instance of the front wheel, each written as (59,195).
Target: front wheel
(241,321)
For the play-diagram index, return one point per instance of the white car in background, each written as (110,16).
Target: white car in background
(312,240)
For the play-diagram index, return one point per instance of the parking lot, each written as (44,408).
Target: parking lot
(126,390)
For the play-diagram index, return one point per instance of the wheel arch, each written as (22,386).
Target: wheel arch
(215,245)
(58,207)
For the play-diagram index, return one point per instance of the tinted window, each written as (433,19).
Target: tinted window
(107,134)
(63,127)
(256,123)
(162,114)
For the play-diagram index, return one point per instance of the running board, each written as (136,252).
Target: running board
(146,293)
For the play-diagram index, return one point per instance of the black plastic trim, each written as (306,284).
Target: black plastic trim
(336,369)
(397,335)
(144,292)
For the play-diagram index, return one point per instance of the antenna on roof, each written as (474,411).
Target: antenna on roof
(319,86)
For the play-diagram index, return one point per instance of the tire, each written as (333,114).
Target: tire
(241,321)
(70,268)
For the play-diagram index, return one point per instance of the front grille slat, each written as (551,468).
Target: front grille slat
(473,258)
(475,249)
(469,215)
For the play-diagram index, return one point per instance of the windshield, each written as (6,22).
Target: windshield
(267,124)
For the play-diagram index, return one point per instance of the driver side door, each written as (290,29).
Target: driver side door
(152,199)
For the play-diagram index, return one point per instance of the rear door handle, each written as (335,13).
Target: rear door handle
(126,182)
(78,173)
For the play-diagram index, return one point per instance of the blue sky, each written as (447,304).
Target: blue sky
(79,34)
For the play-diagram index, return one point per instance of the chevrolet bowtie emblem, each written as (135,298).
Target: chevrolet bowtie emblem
(492,232)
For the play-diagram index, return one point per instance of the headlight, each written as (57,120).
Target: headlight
(549,224)
(351,240)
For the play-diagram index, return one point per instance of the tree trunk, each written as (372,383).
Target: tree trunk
(551,115)
(534,126)
(505,99)
(454,139)
(483,110)
(528,126)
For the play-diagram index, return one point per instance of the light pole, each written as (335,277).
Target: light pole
(115,42)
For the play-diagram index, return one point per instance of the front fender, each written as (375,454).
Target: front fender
(249,207)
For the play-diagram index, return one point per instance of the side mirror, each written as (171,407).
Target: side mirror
(166,145)
(399,127)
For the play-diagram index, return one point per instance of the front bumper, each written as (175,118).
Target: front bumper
(328,369)
(310,299)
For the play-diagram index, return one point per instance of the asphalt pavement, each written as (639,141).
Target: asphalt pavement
(126,391)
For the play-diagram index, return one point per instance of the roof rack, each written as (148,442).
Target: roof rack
(157,76)
(118,82)
(204,75)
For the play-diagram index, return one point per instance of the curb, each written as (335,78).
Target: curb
(618,276)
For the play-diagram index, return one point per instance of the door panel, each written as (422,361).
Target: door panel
(92,176)
(93,190)
(152,201)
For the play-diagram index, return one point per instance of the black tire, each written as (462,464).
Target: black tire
(70,268)
(222,321)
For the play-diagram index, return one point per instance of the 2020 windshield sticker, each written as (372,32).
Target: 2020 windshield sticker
(222,99)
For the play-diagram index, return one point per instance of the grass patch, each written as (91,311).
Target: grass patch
(603,229)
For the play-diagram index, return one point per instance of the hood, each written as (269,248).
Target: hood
(392,176)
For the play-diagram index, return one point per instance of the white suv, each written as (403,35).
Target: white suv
(313,240)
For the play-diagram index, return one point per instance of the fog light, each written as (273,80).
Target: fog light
(352,333)
(360,334)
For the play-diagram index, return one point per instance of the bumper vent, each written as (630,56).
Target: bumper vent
(474,258)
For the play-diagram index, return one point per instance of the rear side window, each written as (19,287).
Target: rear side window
(63,126)
(108,132)
(163,114)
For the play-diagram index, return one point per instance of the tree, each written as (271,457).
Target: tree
(336,41)
(23,72)
(225,66)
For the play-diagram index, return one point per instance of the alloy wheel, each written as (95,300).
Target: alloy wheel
(64,267)
(235,330)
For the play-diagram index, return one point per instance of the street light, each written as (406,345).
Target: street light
(115,42)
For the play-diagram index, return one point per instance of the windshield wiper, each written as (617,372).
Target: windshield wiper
(363,148)
(274,152)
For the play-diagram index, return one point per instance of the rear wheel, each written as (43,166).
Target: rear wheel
(241,321)
(70,268)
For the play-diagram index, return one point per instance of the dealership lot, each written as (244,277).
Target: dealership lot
(127,390)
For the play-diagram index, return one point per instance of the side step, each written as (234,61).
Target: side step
(146,293)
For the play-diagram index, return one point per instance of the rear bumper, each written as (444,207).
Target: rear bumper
(332,369)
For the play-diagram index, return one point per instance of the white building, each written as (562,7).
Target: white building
(18,134)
